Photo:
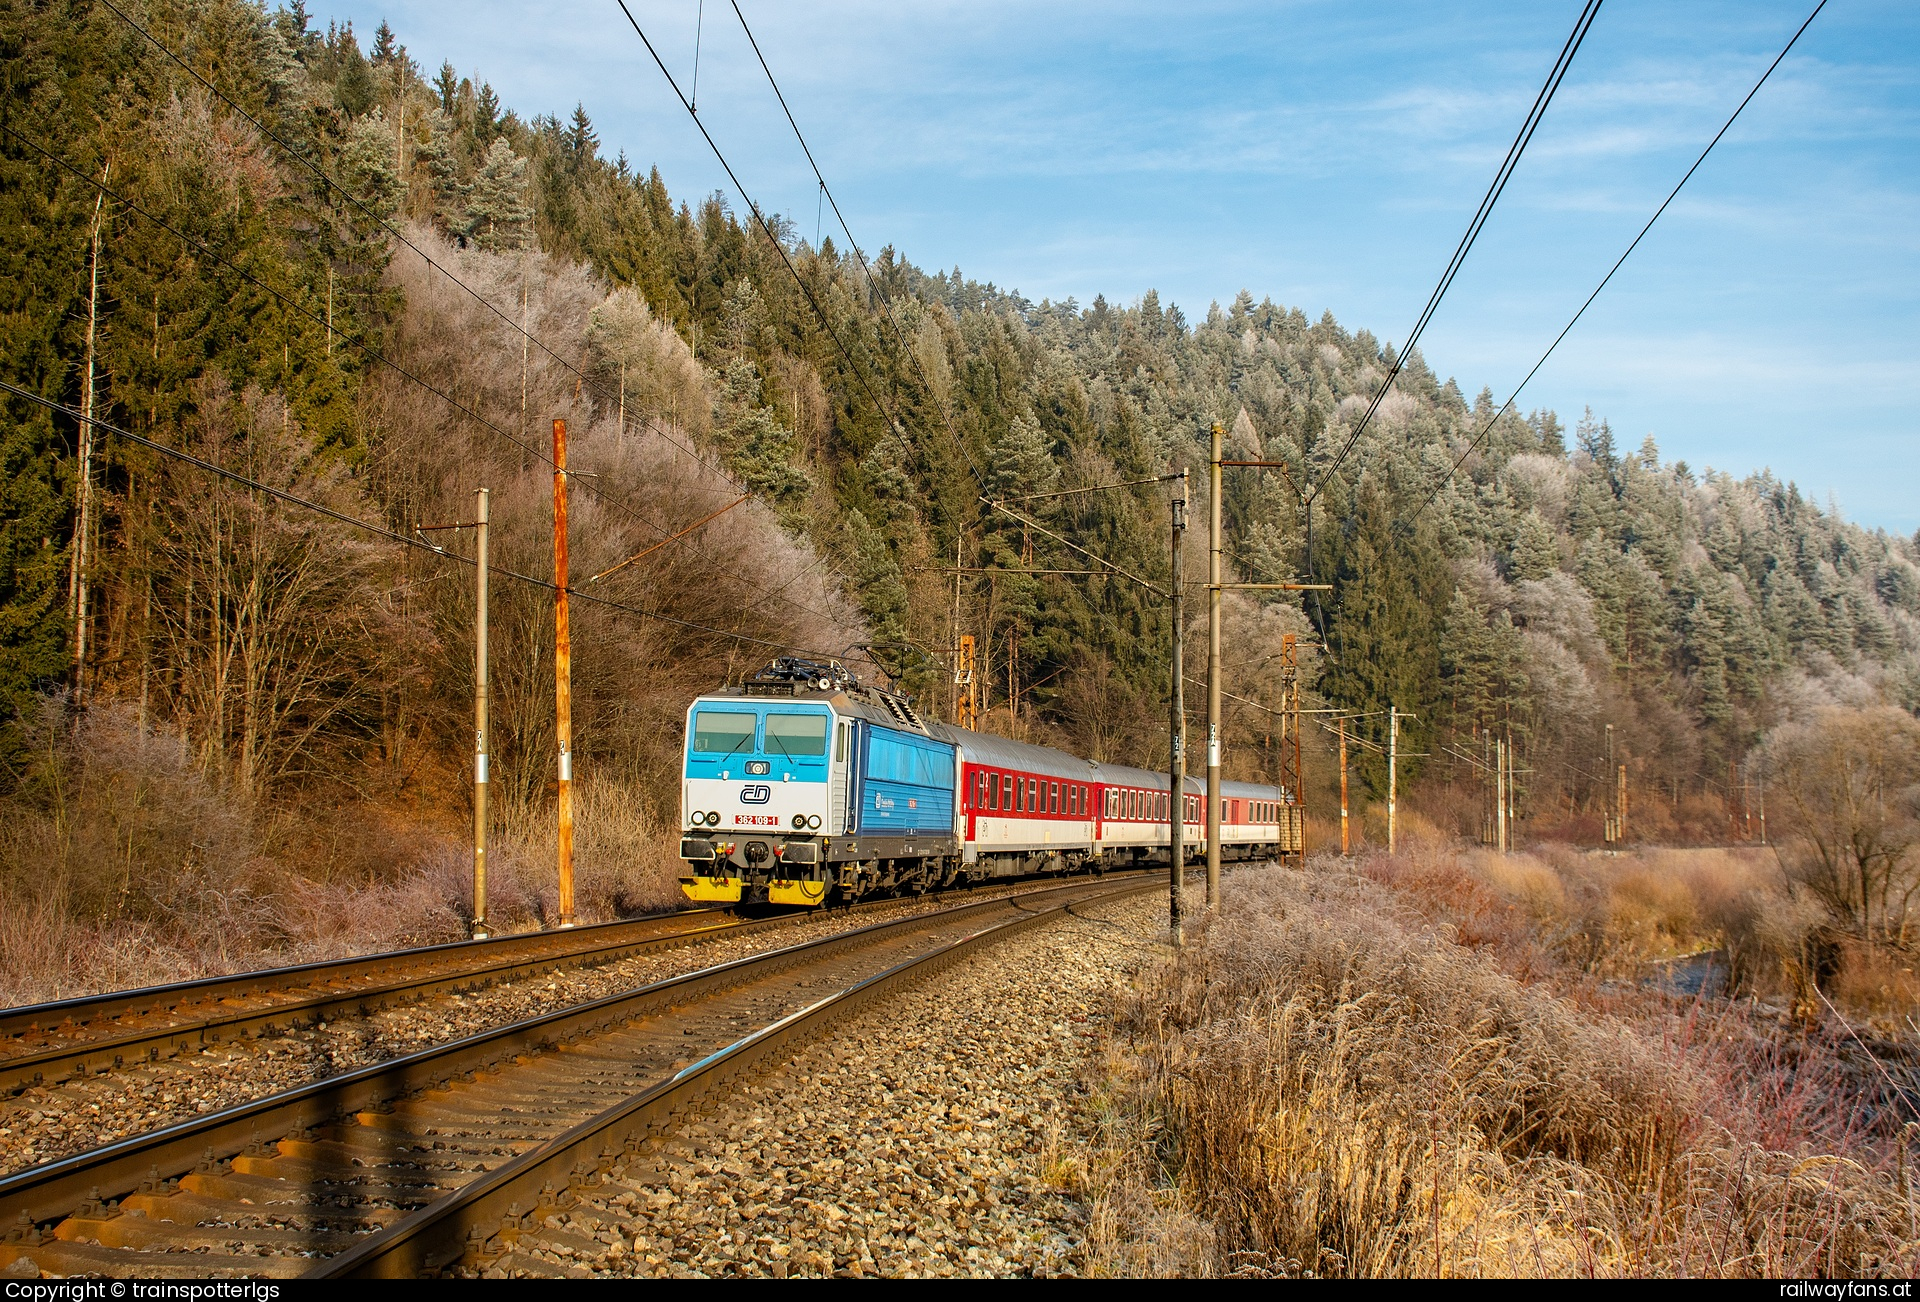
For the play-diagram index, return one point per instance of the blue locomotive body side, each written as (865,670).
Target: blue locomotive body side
(906,783)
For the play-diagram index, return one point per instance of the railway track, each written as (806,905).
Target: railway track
(44,1044)
(472,1152)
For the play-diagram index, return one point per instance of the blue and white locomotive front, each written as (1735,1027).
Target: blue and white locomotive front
(763,786)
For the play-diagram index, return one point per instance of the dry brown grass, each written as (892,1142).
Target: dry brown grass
(1324,1082)
(1877,980)
(122,864)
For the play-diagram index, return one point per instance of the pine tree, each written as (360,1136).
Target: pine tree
(1535,552)
(497,216)
(1020,462)
(353,88)
(582,143)
(447,83)
(486,116)
(383,45)
(1388,587)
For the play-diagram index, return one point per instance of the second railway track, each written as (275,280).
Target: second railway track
(45,1044)
(445,1157)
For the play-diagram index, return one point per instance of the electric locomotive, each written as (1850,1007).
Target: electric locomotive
(804,783)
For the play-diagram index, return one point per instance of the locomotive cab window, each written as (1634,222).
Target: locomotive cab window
(797,736)
(722,732)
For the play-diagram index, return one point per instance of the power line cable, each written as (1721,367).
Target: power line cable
(886,300)
(378,530)
(400,235)
(826,323)
(359,343)
(353,341)
(1555,76)
(1618,263)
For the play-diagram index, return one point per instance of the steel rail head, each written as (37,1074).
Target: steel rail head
(440,1234)
(50,1191)
(478,963)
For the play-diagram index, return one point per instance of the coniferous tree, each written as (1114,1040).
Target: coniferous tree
(498,216)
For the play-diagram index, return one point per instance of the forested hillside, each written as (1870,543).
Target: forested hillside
(350,273)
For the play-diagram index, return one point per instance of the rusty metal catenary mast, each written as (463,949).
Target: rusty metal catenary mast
(1293,831)
(480,703)
(562,675)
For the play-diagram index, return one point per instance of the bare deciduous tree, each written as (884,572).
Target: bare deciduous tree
(1849,781)
(270,635)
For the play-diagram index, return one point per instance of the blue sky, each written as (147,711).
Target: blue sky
(1329,155)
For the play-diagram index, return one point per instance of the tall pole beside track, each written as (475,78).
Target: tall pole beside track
(1393,770)
(1177,726)
(480,929)
(1346,846)
(1213,671)
(562,673)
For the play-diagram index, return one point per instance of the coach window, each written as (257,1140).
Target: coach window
(1053,797)
(993,791)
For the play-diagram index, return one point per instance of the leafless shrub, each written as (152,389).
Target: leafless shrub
(119,857)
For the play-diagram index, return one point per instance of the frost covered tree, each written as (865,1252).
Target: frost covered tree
(498,216)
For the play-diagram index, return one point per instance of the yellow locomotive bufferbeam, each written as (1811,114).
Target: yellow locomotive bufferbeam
(712,890)
(796,892)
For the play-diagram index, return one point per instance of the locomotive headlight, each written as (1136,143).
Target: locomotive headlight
(698,818)
(799,820)
(813,821)
(713,818)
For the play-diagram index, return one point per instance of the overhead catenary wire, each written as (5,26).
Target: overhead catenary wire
(398,234)
(1068,543)
(826,322)
(353,341)
(368,526)
(1618,263)
(1589,11)
(886,301)
(360,345)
